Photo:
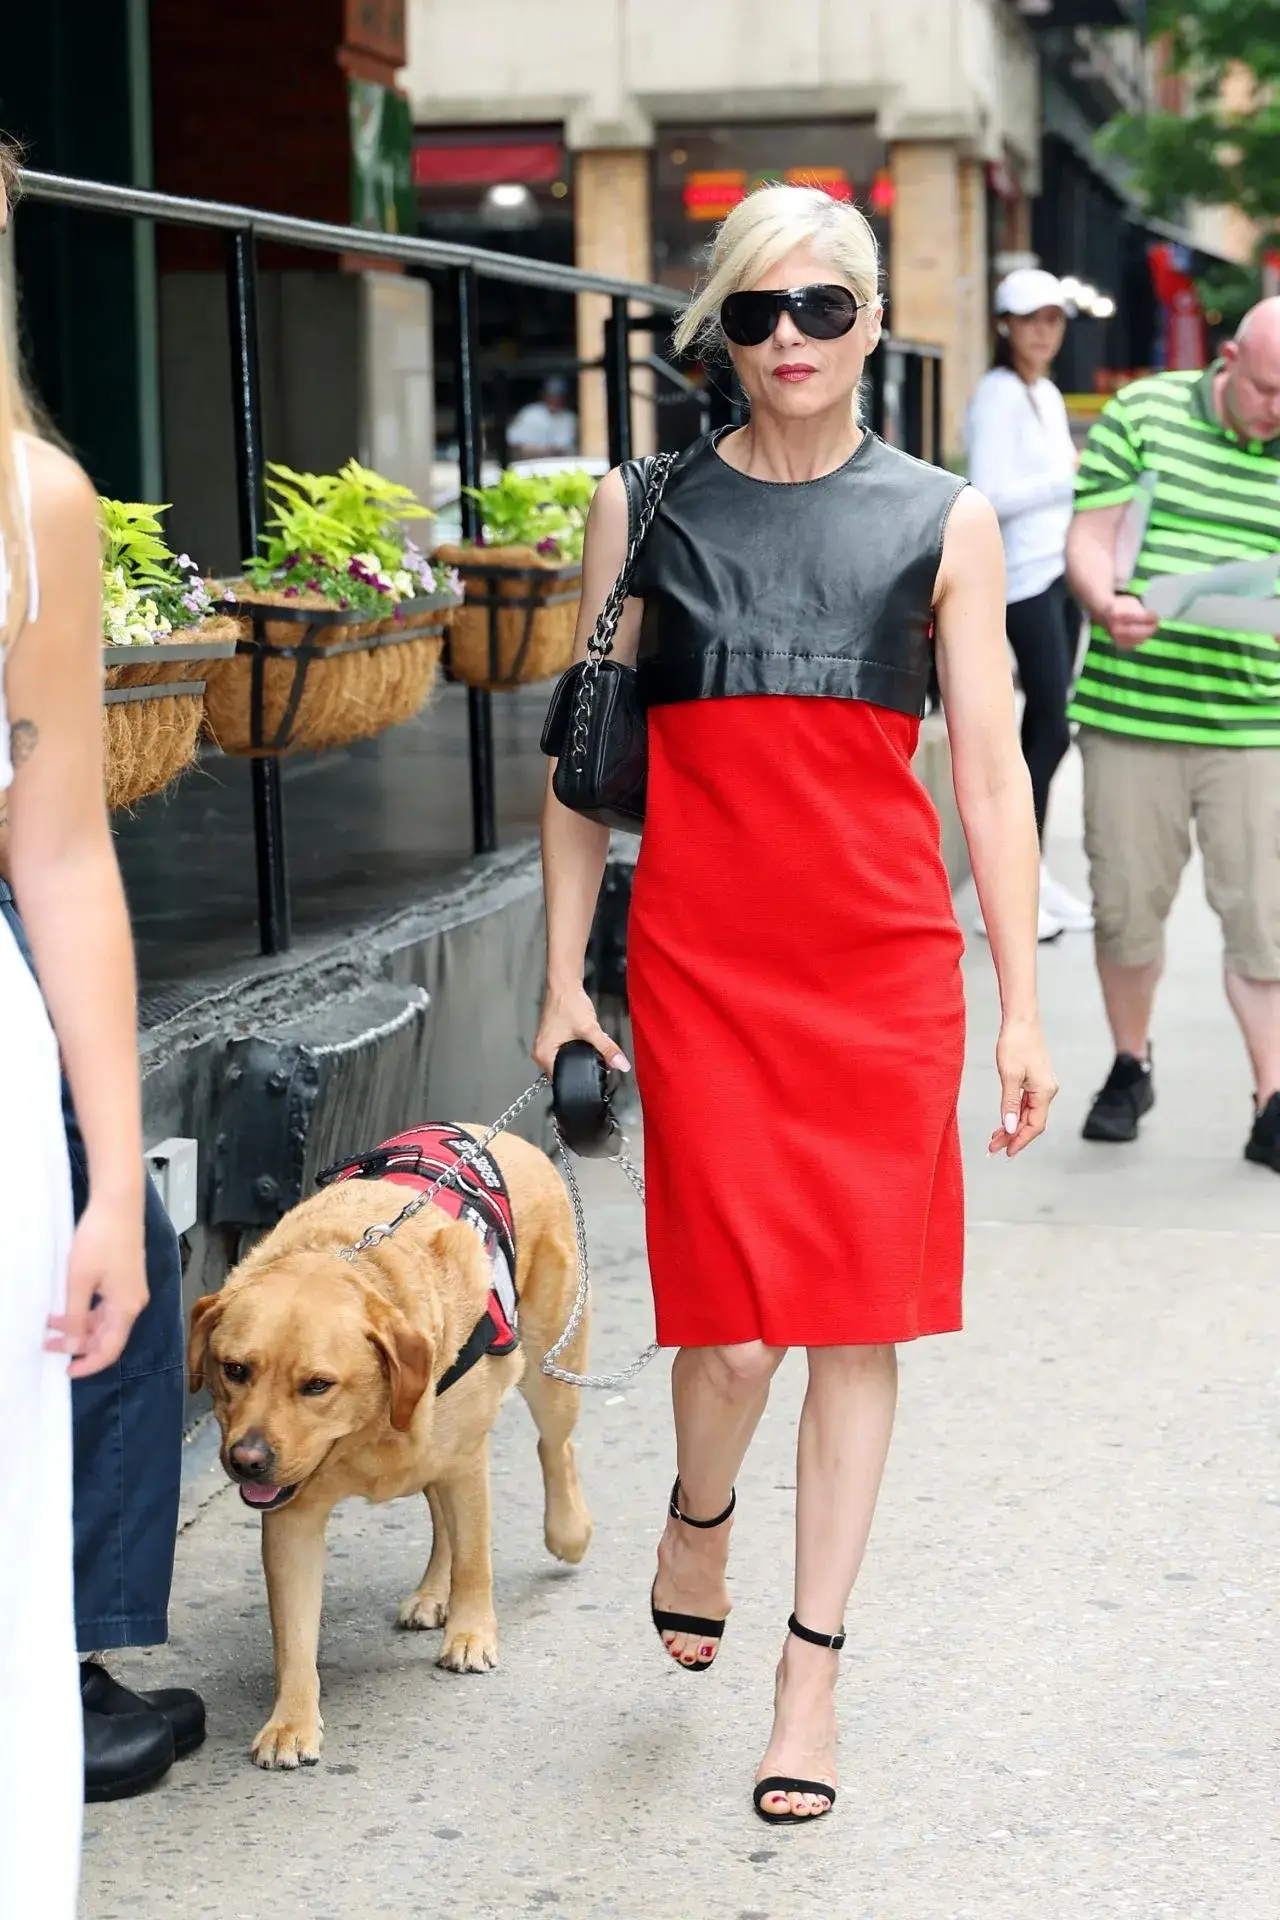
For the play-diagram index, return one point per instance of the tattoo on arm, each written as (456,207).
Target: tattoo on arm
(24,736)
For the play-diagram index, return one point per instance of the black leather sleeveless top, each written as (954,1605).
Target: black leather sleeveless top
(820,587)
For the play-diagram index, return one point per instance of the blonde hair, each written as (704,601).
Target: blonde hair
(15,418)
(762,229)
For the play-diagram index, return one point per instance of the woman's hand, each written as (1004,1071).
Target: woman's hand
(106,1286)
(567,1014)
(1027,1086)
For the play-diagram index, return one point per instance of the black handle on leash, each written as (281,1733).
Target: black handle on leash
(580,1101)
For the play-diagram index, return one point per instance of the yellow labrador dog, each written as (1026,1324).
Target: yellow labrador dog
(382,1377)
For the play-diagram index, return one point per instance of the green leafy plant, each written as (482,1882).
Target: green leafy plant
(547,511)
(1223,147)
(340,535)
(148,592)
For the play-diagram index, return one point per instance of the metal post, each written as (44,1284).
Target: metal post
(935,407)
(501,416)
(913,403)
(873,391)
(484,826)
(274,933)
(617,379)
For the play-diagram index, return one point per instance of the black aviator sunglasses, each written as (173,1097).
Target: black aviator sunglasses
(820,313)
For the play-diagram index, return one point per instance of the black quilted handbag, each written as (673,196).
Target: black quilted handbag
(595,728)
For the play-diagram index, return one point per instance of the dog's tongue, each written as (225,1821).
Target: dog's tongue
(257,1495)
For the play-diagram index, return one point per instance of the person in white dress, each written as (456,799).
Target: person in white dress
(67,1299)
(1022,456)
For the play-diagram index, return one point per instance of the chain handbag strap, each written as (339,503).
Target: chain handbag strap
(601,641)
(383,1229)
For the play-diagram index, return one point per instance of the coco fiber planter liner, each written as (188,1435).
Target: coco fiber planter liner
(153,705)
(518,621)
(308,675)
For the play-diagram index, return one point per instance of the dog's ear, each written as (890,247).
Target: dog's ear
(408,1355)
(205,1316)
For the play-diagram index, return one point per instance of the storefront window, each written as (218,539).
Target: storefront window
(510,189)
(701,173)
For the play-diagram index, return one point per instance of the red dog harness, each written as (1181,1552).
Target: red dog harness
(477,1195)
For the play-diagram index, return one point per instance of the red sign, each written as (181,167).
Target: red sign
(832,180)
(527,163)
(710,196)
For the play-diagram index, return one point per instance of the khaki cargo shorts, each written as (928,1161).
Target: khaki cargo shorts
(1141,798)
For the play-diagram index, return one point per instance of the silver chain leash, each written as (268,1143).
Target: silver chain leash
(642,1360)
(383,1229)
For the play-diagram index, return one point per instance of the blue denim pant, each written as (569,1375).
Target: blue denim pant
(127,1430)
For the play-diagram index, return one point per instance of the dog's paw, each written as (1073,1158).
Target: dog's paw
(470,1650)
(422,1611)
(568,1533)
(286,1744)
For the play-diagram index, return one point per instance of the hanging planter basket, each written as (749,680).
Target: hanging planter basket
(519,618)
(307,675)
(153,706)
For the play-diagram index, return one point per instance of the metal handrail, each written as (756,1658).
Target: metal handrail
(242,229)
(103,197)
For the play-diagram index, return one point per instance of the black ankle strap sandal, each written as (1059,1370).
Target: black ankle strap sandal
(778,1783)
(666,1622)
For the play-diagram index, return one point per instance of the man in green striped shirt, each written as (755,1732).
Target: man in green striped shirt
(1180,723)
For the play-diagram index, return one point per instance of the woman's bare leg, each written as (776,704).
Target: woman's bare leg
(719,1394)
(845,1430)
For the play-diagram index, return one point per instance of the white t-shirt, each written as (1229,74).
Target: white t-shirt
(1021,455)
(537,426)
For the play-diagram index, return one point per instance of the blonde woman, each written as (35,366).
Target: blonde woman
(794,961)
(67,1300)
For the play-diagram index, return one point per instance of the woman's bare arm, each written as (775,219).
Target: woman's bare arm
(993,792)
(67,885)
(574,850)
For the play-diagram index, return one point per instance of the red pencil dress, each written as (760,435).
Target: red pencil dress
(793,956)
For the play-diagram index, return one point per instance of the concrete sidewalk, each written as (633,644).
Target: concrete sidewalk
(1062,1685)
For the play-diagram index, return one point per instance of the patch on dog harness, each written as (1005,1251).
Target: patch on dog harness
(478,1196)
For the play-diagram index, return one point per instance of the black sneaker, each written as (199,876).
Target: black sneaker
(1128,1094)
(1263,1144)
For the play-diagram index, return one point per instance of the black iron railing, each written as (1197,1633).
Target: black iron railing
(904,383)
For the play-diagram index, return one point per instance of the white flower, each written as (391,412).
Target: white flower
(402,584)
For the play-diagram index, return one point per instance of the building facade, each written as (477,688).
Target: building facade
(925,111)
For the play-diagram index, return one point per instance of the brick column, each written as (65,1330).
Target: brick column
(973,324)
(938,267)
(612,234)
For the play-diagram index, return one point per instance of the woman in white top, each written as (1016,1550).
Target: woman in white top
(61,1293)
(1021,455)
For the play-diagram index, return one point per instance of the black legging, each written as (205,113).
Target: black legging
(1042,632)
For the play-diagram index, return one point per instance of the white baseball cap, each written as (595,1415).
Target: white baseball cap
(1027,289)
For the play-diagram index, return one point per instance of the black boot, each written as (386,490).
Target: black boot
(179,1706)
(124,1753)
